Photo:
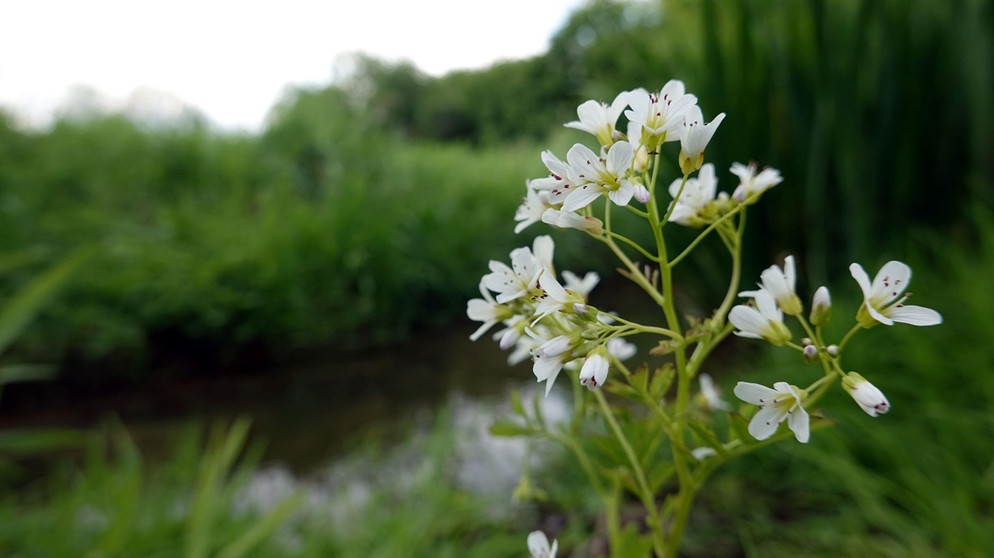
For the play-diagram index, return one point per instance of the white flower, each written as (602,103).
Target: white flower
(531,209)
(486,310)
(521,277)
(750,183)
(764,321)
(599,119)
(780,283)
(620,349)
(583,286)
(593,374)
(783,402)
(694,137)
(538,545)
(595,176)
(711,395)
(869,398)
(883,300)
(697,194)
(659,116)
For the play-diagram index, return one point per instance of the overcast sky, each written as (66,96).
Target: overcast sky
(232,59)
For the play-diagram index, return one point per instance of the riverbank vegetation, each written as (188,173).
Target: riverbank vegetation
(365,210)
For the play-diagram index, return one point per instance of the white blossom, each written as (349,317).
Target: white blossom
(783,402)
(883,300)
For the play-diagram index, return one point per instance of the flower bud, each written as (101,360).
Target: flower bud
(832,350)
(641,193)
(586,312)
(821,307)
(810,353)
(641,160)
(869,398)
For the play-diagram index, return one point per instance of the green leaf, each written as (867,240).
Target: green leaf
(36,440)
(740,426)
(640,378)
(503,427)
(706,433)
(662,379)
(631,544)
(260,530)
(516,405)
(26,303)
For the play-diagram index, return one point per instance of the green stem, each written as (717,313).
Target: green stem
(646,495)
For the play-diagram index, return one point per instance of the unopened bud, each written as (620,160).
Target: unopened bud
(585,311)
(641,161)
(869,398)
(594,371)
(821,307)
(641,193)
(832,350)
(810,353)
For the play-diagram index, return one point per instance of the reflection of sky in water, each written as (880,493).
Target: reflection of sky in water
(478,461)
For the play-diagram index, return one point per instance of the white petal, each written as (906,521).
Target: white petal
(914,315)
(552,287)
(622,195)
(766,421)
(774,281)
(798,421)
(581,197)
(862,279)
(754,393)
(748,320)
(546,368)
(789,273)
(580,157)
(619,158)
(767,306)
(891,280)
(482,329)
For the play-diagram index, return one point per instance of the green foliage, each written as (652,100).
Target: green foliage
(114,504)
(198,503)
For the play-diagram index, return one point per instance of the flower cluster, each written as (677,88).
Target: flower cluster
(763,318)
(562,198)
(546,319)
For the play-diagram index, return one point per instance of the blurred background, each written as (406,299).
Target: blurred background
(240,330)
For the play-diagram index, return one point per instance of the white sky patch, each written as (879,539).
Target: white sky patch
(232,60)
